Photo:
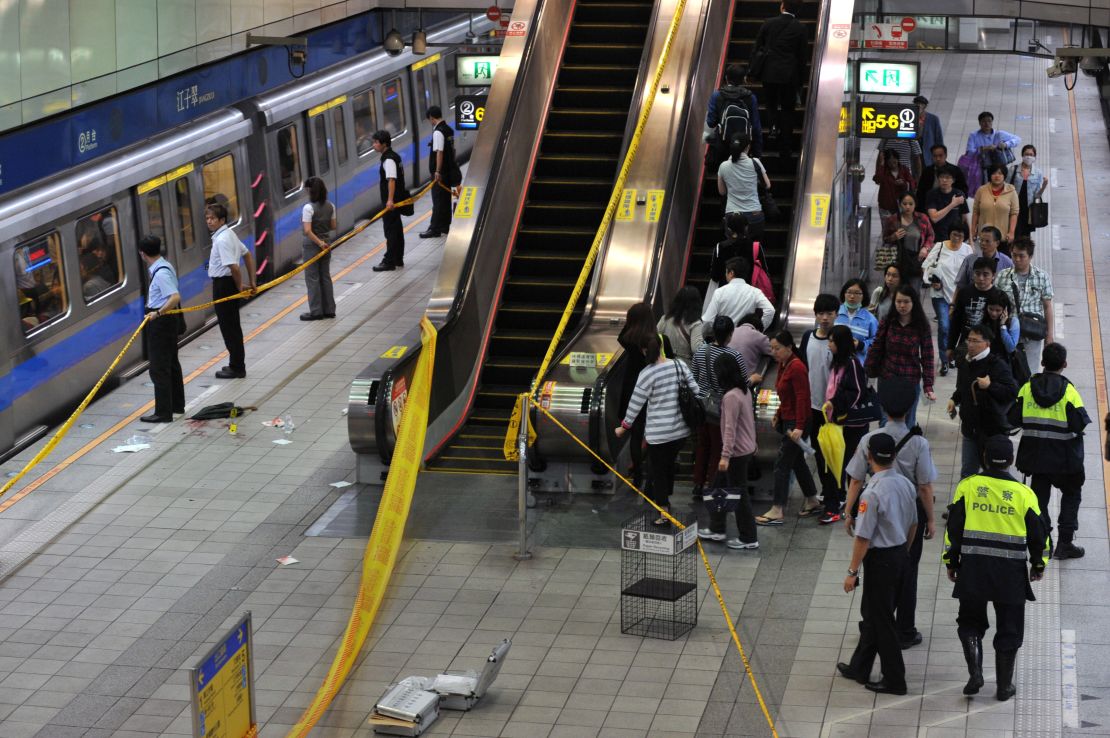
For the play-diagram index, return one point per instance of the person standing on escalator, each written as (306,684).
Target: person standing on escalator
(779,61)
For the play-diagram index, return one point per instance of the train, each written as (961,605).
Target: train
(69,266)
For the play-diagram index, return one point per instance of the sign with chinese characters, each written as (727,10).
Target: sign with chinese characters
(476,71)
(467,198)
(222,686)
(658,543)
(470,110)
(398,395)
(818,211)
(516,28)
(887,120)
(654,205)
(887,78)
(626,208)
(191,97)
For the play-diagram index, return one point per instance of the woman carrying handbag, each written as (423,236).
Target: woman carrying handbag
(911,235)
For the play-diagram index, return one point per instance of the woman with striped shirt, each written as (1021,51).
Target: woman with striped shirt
(656,393)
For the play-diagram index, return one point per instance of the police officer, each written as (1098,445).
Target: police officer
(444,171)
(392,184)
(914,461)
(994,522)
(161,334)
(1052,419)
(885,524)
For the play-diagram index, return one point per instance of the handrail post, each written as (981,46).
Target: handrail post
(522,553)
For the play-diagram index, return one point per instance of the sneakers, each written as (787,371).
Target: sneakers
(708,535)
(829,517)
(943,369)
(737,544)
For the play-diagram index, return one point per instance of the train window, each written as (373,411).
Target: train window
(219,185)
(320,134)
(340,135)
(185,211)
(39,281)
(155,218)
(422,97)
(393,112)
(98,253)
(433,85)
(366,121)
(289,159)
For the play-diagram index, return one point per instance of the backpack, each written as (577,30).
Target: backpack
(760,279)
(736,118)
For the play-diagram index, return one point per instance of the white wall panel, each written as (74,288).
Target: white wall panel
(9,61)
(213,20)
(136,32)
(177,25)
(247,14)
(277,10)
(92,39)
(43,47)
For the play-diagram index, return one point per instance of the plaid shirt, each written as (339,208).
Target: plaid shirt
(902,351)
(1038,288)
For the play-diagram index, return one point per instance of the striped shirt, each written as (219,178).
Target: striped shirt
(657,388)
(704,366)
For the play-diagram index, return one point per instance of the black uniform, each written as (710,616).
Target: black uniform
(784,42)
(391,221)
(449,177)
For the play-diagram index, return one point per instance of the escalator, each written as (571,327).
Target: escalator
(747,18)
(572,179)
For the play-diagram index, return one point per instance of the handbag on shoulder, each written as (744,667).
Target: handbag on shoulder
(693,411)
(1034,327)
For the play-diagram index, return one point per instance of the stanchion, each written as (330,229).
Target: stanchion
(522,553)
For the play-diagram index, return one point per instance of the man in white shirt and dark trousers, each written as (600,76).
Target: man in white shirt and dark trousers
(392,184)
(444,170)
(737,298)
(161,333)
(227,280)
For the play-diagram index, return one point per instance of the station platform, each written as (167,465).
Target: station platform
(118,572)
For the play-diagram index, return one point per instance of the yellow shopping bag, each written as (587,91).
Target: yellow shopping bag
(830,439)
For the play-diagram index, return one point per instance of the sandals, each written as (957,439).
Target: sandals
(809,512)
(764,520)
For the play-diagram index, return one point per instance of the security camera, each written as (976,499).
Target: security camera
(1060,67)
(1092,65)
(393,43)
(420,42)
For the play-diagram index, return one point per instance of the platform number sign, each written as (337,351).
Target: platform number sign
(887,120)
(469,112)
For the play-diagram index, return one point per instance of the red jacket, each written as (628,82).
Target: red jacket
(792,387)
(892,187)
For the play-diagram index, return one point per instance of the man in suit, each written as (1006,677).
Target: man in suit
(779,59)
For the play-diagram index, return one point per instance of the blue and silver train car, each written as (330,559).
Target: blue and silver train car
(70,274)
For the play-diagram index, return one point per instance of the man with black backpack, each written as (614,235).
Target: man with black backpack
(733,111)
(913,460)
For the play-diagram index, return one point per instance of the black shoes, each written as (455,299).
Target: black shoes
(310,316)
(430,233)
(229,373)
(1004,667)
(153,418)
(914,640)
(846,672)
(328,316)
(884,687)
(973,655)
(1065,549)
(384,267)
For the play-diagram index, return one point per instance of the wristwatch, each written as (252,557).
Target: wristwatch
(853,573)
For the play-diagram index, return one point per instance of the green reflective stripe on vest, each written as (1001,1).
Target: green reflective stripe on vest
(998,553)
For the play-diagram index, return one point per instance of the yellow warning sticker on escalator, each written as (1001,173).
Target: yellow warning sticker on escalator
(627,205)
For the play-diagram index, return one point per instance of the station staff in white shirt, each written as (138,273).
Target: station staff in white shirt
(227,279)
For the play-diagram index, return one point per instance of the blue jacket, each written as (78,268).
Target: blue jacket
(931,134)
(865,327)
(713,113)
(977,139)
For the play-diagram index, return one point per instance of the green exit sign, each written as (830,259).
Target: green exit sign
(475,71)
(888,78)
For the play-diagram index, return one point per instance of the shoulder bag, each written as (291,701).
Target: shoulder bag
(693,411)
(1034,327)
(766,199)
(866,409)
(1038,214)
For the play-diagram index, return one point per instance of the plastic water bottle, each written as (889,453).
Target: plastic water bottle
(804,445)
(287,425)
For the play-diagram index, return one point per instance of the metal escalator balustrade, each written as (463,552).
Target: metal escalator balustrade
(747,18)
(571,182)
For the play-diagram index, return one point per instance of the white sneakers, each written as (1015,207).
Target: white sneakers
(733,543)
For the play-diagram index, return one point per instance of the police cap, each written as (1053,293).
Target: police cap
(881,447)
(897,395)
(998,452)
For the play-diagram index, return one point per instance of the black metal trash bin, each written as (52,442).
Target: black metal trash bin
(659,577)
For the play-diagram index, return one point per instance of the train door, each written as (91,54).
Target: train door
(425,94)
(322,144)
(168,207)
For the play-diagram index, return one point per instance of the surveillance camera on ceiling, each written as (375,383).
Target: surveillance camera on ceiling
(420,42)
(393,43)
(1092,65)
(1060,67)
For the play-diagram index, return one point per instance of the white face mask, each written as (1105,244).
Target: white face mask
(1028,160)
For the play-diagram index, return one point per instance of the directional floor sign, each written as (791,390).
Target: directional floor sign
(882,120)
(223,687)
(888,78)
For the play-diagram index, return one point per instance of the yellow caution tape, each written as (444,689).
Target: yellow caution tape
(64,429)
(385,538)
(614,197)
(704,561)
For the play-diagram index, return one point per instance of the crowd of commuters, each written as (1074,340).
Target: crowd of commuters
(861,372)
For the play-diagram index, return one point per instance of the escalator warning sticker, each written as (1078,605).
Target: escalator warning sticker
(626,208)
(654,205)
(465,208)
(395,352)
(818,211)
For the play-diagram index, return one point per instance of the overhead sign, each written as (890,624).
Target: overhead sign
(881,120)
(493,13)
(887,78)
(516,28)
(469,112)
(476,71)
(223,687)
(886,36)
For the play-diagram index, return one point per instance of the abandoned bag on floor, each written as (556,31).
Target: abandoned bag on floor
(221,410)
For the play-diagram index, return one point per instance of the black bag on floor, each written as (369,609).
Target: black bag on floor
(220,410)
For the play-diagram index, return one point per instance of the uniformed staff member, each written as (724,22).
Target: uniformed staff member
(392,183)
(886,522)
(1053,418)
(914,461)
(994,522)
(161,334)
(227,280)
(444,171)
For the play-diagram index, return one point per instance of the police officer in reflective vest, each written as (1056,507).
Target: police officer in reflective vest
(1052,418)
(994,523)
